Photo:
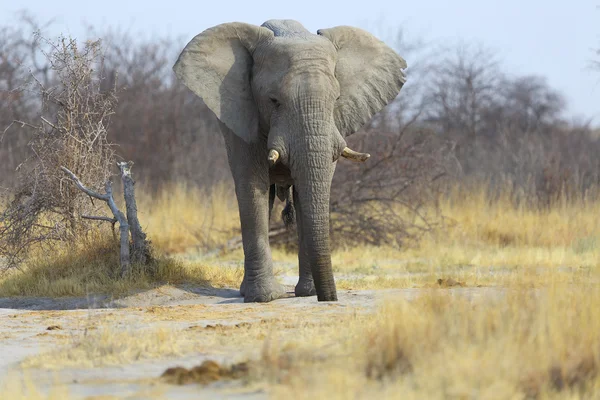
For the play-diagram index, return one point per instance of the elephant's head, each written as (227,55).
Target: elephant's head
(300,94)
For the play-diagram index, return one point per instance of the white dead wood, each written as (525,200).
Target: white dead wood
(125,261)
(140,246)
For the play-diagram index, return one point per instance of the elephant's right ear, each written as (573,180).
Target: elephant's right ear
(216,65)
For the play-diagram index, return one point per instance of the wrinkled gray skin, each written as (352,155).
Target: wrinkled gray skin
(280,87)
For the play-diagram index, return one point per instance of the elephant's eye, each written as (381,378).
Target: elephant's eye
(274,101)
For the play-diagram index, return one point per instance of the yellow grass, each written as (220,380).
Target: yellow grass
(17,386)
(107,345)
(478,231)
(533,336)
(181,218)
(439,346)
(518,344)
(94,268)
(483,242)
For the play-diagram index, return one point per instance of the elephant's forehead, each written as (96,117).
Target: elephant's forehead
(292,49)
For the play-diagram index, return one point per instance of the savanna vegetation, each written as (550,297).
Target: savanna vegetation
(477,179)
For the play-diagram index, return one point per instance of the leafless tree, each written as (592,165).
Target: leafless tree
(128,223)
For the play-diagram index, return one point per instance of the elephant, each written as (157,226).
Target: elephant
(286,99)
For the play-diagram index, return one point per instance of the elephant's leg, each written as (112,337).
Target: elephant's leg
(250,171)
(259,284)
(306,284)
(271,202)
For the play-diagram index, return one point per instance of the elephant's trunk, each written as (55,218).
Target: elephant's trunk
(311,162)
(313,187)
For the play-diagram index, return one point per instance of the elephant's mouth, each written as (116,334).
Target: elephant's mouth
(281,175)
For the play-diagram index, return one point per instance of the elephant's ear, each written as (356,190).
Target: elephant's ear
(369,73)
(216,65)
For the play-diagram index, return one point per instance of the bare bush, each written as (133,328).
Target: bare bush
(71,131)
(391,200)
(510,133)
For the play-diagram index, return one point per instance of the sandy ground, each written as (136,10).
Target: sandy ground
(25,323)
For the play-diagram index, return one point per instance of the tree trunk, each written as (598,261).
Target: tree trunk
(140,245)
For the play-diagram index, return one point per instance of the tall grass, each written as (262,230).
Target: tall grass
(526,344)
(182,218)
(480,232)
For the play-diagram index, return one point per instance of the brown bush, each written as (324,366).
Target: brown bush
(71,131)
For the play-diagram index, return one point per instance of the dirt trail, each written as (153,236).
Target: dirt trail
(32,326)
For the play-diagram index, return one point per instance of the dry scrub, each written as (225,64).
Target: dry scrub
(93,268)
(485,241)
(525,345)
(479,230)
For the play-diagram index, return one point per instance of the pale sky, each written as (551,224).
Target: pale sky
(550,38)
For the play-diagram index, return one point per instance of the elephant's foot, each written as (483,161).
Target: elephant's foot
(305,287)
(262,291)
(328,295)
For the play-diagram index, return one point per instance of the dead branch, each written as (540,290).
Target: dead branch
(81,186)
(141,247)
(100,218)
(125,260)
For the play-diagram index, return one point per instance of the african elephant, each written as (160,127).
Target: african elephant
(286,99)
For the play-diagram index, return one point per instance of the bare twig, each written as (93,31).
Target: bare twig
(100,218)
(49,123)
(81,186)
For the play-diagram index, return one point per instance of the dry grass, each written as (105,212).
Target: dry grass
(479,231)
(181,218)
(484,243)
(519,344)
(135,334)
(108,345)
(94,268)
(439,346)
(488,243)
(16,386)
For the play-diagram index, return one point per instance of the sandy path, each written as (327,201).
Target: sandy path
(25,323)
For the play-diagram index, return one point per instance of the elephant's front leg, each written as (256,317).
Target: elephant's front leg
(259,284)
(306,284)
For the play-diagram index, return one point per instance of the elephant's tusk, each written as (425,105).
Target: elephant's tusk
(273,157)
(354,155)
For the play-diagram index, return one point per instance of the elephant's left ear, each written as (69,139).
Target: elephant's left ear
(369,72)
